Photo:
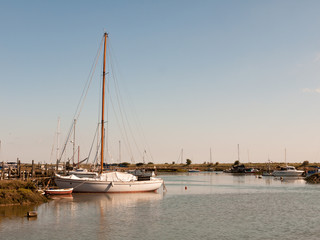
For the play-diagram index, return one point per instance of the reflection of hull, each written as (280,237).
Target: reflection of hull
(62,197)
(118,199)
(100,186)
(267,174)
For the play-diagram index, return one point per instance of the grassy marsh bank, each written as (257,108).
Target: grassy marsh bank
(16,192)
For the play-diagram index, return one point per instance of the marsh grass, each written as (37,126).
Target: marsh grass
(14,192)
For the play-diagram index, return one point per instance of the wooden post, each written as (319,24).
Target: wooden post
(32,171)
(46,167)
(57,166)
(9,172)
(2,172)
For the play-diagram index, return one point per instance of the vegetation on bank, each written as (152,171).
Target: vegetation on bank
(206,166)
(15,192)
(314,178)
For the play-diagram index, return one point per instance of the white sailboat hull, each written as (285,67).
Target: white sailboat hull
(98,186)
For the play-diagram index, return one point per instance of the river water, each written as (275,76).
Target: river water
(195,206)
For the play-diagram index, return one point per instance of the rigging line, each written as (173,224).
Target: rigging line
(66,142)
(124,136)
(106,136)
(92,143)
(87,89)
(124,117)
(82,98)
(139,127)
(88,82)
(97,153)
(53,145)
(179,157)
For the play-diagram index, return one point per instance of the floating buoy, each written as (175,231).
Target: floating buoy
(185,188)
(32,214)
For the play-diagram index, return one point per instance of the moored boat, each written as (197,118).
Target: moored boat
(107,182)
(58,191)
(111,182)
(32,214)
(288,171)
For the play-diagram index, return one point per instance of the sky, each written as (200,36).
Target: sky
(195,75)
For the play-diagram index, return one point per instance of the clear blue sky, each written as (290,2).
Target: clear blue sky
(201,74)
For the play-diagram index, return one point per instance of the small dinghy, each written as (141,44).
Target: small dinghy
(59,191)
(32,214)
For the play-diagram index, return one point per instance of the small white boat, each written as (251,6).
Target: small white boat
(288,171)
(32,214)
(58,191)
(193,170)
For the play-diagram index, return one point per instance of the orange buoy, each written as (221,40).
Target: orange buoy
(185,188)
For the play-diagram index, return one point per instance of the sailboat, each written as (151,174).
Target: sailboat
(287,171)
(107,182)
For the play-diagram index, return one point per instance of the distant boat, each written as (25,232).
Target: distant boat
(288,171)
(32,214)
(268,173)
(58,191)
(193,170)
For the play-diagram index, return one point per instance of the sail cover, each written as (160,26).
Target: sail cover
(118,176)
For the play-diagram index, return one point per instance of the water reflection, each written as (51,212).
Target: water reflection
(212,183)
(116,199)
(260,206)
(15,211)
(62,198)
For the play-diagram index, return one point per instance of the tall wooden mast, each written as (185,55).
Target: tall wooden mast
(103,92)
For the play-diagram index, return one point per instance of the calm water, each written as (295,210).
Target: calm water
(214,206)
